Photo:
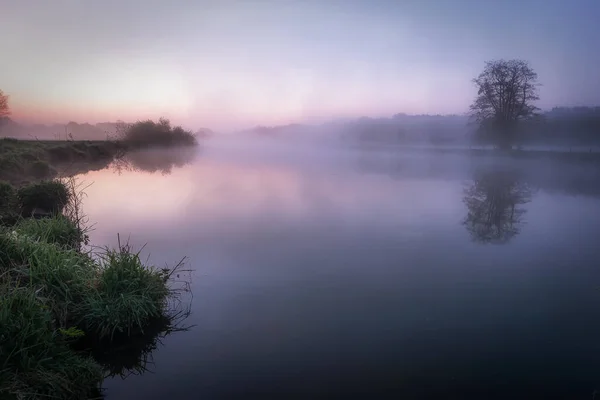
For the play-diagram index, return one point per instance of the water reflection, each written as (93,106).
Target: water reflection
(133,356)
(495,206)
(153,161)
(330,278)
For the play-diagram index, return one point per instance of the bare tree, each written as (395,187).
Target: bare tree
(4,110)
(505,96)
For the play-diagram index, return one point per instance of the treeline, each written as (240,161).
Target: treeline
(561,126)
(564,126)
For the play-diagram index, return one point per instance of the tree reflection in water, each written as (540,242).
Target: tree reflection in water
(495,206)
(156,160)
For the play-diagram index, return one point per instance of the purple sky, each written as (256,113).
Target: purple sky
(228,64)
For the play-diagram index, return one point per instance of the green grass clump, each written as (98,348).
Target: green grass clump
(128,295)
(51,196)
(64,277)
(58,230)
(35,360)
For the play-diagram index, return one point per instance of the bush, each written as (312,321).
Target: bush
(58,230)
(36,360)
(50,196)
(145,134)
(128,296)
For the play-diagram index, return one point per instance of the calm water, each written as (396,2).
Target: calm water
(334,273)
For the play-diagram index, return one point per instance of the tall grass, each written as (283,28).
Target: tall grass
(58,230)
(35,359)
(128,295)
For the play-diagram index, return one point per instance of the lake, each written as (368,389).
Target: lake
(338,273)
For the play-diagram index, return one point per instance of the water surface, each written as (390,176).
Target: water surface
(337,273)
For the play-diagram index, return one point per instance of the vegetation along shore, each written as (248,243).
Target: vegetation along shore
(65,306)
(25,161)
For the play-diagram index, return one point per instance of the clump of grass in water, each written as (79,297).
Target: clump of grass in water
(128,294)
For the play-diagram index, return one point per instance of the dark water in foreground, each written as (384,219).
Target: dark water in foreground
(367,275)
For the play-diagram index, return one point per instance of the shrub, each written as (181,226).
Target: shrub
(50,196)
(36,360)
(156,134)
(128,296)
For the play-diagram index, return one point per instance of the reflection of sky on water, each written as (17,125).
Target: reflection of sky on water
(331,275)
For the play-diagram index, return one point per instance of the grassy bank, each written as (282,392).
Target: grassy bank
(26,161)
(59,304)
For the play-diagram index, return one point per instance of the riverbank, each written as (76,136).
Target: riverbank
(60,304)
(25,161)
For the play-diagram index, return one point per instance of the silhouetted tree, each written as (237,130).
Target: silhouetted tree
(506,92)
(494,203)
(4,109)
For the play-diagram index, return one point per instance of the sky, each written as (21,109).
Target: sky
(230,64)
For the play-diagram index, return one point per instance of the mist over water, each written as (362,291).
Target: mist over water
(321,270)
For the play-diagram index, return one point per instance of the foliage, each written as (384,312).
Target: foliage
(59,230)
(4,109)
(145,134)
(127,296)
(35,361)
(53,296)
(505,96)
(63,276)
(56,298)
(50,196)
(24,161)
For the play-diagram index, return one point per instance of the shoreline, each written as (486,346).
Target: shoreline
(67,315)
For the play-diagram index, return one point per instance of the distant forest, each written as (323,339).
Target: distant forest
(561,126)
